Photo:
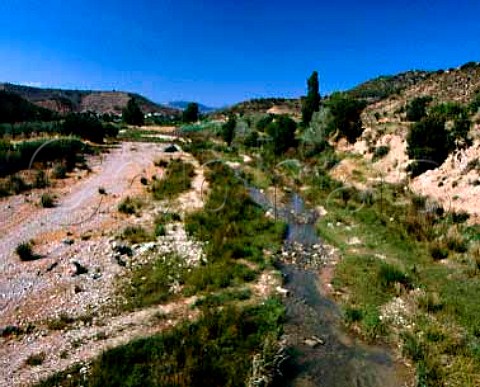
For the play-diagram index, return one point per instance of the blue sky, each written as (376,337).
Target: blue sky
(221,52)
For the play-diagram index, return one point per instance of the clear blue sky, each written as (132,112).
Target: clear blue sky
(219,51)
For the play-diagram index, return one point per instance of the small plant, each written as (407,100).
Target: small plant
(102,191)
(36,359)
(41,180)
(135,234)
(438,251)
(460,217)
(352,315)
(25,251)
(160,230)
(143,180)
(130,206)
(47,201)
(380,152)
(59,171)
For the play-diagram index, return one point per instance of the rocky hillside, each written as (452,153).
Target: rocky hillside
(266,105)
(455,183)
(65,101)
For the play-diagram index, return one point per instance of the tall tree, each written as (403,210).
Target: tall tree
(228,129)
(132,114)
(191,113)
(311,103)
(282,133)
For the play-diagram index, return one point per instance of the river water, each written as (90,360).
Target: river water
(338,359)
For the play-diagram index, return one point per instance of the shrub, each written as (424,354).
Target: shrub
(460,217)
(380,152)
(346,116)
(59,171)
(438,251)
(25,251)
(389,275)
(417,108)
(84,125)
(47,201)
(428,144)
(102,191)
(282,132)
(135,234)
(177,180)
(17,185)
(143,180)
(36,359)
(160,230)
(352,315)
(130,206)
(41,180)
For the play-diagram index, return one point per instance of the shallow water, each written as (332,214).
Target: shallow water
(342,360)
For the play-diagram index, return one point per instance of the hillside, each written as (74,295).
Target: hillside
(65,101)
(385,86)
(453,183)
(266,105)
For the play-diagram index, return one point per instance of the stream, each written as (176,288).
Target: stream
(322,352)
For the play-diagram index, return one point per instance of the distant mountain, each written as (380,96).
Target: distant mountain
(66,101)
(182,105)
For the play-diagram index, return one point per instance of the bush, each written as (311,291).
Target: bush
(282,132)
(130,206)
(417,108)
(135,234)
(41,180)
(346,116)
(438,251)
(25,251)
(102,191)
(59,171)
(428,144)
(84,125)
(47,201)
(178,179)
(36,359)
(389,275)
(380,152)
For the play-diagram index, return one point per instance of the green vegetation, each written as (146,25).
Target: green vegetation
(178,179)
(235,228)
(17,156)
(191,113)
(132,114)
(151,284)
(282,132)
(380,152)
(36,359)
(228,130)
(130,206)
(47,200)
(86,126)
(136,234)
(417,108)
(311,103)
(428,144)
(345,116)
(25,251)
(216,350)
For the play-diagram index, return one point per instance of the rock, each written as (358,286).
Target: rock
(52,266)
(282,291)
(314,342)
(68,242)
(79,269)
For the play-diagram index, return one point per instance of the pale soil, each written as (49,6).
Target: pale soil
(37,292)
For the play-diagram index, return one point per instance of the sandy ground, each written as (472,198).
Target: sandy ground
(82,228)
